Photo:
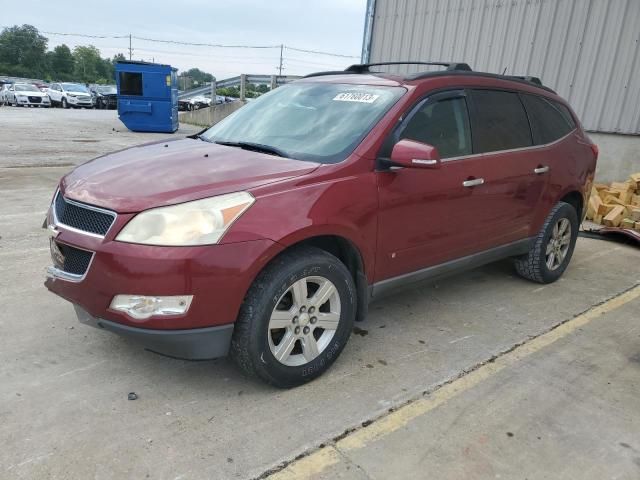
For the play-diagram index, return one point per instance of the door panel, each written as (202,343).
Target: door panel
(427,217)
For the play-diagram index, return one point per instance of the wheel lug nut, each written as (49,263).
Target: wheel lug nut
(295,319)
(311,309)
(306,330)
(314,319)
(303,309)
(297,330)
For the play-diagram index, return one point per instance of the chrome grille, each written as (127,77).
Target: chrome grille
(76,261)
(82,217)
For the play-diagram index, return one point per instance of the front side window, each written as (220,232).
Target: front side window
(443,124)
(499,121)
(549,120)
(321,122)
(131,83)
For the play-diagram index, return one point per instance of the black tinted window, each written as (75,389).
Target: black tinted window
(443,124)
(549,120)
(499,121)
(130,83)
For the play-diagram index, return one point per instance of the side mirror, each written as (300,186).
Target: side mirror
(411,154)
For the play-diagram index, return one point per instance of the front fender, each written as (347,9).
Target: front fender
(345,206)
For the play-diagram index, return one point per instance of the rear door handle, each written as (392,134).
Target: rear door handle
(540,170)
(472,183)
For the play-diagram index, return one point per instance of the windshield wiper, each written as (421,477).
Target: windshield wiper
(256,147)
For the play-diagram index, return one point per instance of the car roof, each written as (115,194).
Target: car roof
(363,75)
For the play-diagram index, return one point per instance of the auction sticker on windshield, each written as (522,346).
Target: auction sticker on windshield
(355,97)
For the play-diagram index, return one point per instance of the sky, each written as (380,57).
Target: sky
(334,26)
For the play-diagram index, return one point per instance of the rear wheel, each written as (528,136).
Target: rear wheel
(553,247)
(296,318)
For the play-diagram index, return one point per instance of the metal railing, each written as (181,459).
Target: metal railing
(240,81)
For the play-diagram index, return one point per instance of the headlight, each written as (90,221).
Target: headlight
(22,97)
(201,222)
(71,94)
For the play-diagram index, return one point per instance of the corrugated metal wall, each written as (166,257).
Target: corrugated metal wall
(586,50)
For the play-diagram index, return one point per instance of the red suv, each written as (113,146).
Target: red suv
(266,236)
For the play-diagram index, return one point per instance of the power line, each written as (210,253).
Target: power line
(318,52)
(83,35)
(197,44)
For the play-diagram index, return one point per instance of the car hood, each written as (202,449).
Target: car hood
(170,172)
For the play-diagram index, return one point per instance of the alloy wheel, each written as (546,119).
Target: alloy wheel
(559,243)
(304,321)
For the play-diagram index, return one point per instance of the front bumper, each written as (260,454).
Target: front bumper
(80,101)
(29,103)
(190,344)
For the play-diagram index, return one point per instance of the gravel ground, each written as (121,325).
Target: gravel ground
(33,137)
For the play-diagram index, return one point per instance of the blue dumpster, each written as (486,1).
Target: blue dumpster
(147,96)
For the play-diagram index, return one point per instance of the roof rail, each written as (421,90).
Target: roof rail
(329,72)
(526,78)
(366,67)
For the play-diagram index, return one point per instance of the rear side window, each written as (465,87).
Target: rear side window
(549,120)
(443,124)
(130,83)
(499,121)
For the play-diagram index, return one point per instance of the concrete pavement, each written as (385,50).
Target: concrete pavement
(562,406)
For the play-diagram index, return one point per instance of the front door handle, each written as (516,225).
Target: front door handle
(473,182)
(540,170)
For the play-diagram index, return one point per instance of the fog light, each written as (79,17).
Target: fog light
(141,307)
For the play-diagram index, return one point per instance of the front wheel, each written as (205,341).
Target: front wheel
(295,319)
(64,103)
(552,248)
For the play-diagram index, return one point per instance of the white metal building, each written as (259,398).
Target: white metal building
(586,50)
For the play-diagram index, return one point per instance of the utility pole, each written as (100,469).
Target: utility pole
(280,67)
(213,92)
(130,49)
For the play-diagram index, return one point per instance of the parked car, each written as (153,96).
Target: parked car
(26,95)
(184,105)
(43,87)
(266,236)
(70,95)
(4,90)
(199,102)
(105,96)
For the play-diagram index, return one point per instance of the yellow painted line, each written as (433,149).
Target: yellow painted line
(309,466)
(318,461)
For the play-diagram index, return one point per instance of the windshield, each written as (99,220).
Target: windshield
(321,122)
(23,87)
(106,90)
(74,87)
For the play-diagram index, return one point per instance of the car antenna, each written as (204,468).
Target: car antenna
(505,70)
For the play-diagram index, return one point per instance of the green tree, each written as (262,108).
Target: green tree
(88,64)
(199,77)
(23,51)
(118,58)
(62,62)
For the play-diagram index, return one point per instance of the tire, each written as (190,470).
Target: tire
(258,338)
(539,265)
(63,103)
